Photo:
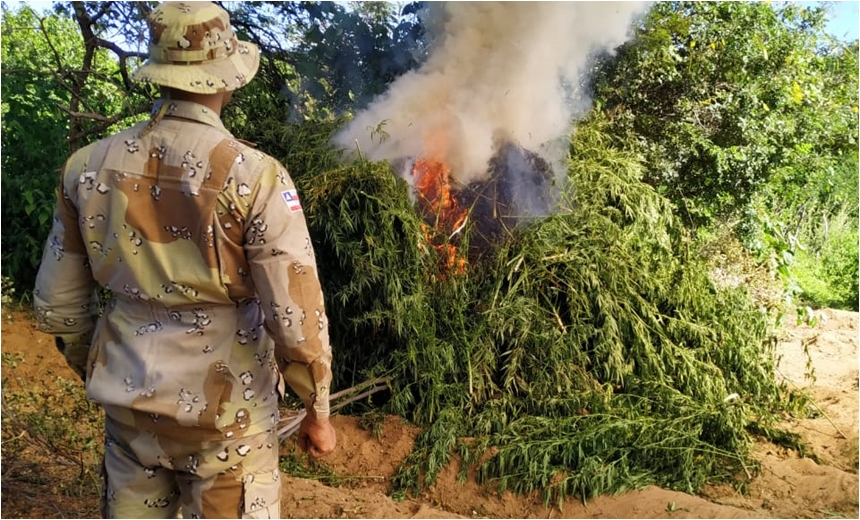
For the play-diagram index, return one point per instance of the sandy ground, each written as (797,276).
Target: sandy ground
(788,486)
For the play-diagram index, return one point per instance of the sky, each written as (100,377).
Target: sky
(844,19)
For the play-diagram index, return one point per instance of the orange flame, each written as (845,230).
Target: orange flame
(433,183)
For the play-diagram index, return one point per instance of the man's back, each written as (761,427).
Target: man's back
(167,216)
(164,212)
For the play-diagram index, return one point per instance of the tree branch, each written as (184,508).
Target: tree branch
(103,122)
(119,51)
(105,9)
(86,26)
(86,115)
(57,59)
(123,56)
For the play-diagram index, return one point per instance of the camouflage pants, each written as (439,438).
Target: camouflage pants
(150,477)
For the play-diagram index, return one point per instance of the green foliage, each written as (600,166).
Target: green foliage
(759,130)
(365,229)
(592,349)
(33,137)
(828,276)
(826,267)
(324,59)
(621,353)
(723,97)
(373,421)
(33,126)
(346,57)
(809,235)
(43,57)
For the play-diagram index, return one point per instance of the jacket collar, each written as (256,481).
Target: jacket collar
(191,111)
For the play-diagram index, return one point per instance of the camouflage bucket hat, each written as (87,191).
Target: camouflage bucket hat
(193,48)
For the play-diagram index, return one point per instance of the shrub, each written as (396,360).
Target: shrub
(828,277)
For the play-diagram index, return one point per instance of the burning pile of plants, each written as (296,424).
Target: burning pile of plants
(520,289)
(588,346)
(519,184)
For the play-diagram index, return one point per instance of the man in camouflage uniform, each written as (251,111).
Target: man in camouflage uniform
(202,241)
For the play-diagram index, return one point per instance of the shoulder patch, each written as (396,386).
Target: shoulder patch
(291,198)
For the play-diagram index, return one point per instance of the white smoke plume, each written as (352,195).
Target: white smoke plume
(496,70)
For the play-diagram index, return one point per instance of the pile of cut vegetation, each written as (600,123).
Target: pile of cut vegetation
(589,348)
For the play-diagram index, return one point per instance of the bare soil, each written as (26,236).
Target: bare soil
(824,484)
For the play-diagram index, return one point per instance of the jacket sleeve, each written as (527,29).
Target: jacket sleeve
(65,297)
(283,267)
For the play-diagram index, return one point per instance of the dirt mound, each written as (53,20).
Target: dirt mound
(823,484)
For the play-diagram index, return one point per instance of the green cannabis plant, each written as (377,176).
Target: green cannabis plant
(587,352)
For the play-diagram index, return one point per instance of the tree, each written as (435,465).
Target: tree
(55,89)
(323,59)
(721,98)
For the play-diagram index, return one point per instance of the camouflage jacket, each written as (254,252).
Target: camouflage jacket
(202,241)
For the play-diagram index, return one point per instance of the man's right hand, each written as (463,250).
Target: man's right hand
(317,436)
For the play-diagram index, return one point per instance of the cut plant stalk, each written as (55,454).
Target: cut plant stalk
(338,400)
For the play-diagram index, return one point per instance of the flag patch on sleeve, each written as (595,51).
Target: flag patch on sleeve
(291,197)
